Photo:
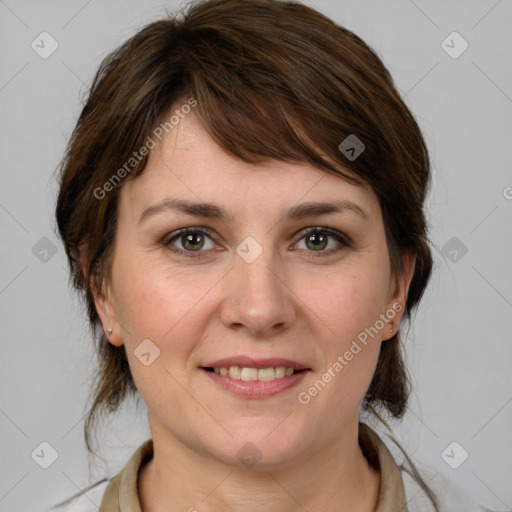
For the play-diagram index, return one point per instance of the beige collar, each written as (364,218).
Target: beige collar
(121,495)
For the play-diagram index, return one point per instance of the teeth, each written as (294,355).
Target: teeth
(235,372)
(266,374)
(249,374)
(280,372)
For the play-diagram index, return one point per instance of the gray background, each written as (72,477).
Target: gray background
(459,348)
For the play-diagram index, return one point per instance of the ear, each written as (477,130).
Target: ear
(398,292)
(105,306)
(103,302)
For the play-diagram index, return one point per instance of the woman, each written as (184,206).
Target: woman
(241,204)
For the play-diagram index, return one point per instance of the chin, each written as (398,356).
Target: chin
(261,446)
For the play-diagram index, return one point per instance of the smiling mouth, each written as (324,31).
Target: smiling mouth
(251,374)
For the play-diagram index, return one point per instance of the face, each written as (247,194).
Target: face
(262,280)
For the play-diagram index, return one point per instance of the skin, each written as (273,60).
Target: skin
(284,304)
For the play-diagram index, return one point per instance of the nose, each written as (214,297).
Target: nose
(257,298)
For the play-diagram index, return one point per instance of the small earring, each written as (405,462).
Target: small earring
(110,331)
(391,330)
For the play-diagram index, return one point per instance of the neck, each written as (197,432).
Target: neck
(334,478)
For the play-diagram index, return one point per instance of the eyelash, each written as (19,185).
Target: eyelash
(340,237)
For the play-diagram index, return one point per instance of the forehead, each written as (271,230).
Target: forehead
(189,164)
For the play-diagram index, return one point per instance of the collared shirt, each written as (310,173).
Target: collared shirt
(398,491)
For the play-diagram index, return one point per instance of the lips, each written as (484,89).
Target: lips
(250,377)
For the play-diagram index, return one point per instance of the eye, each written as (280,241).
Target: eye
(192,240)
(316,239)
(195,242)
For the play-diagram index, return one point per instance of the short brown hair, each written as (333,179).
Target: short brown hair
(273,80)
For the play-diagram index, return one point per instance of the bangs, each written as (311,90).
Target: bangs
(281,93)
(256,127)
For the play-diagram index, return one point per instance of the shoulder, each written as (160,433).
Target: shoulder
(449,496)
(124,482)
(421,482)
(402,480)
(88,501)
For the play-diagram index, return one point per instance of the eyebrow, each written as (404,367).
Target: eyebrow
(212,211)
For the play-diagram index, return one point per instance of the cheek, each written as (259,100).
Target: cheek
(152,298)
(349,316)
(167,311)
(346,302)
(168,306)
